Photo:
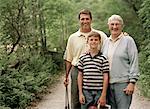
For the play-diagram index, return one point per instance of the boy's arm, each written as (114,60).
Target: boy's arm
(102,99)
(80,81)
(105,84)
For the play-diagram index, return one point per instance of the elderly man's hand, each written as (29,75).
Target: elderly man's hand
(129,89)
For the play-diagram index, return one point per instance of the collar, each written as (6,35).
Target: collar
(79,33)
(98,54)
(110,38)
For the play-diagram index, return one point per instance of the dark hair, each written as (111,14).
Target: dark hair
(85,11)
(95,34)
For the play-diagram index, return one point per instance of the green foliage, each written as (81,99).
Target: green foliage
(144,82)
(145,15)
(145,53)
(136,4)
(59,14)
(142,8)
(19,85)
(25,72)
(13,21)
(3,107)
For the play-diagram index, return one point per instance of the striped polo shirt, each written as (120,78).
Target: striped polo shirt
(93,69)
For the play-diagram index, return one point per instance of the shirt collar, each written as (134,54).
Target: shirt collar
(98,54)
(80,33)
(110,38)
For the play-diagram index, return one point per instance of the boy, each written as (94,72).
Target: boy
(93,74)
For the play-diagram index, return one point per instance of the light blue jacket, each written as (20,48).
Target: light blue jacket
(124,61)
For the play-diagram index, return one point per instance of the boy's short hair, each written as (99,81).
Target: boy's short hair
(85,11)
(95,34)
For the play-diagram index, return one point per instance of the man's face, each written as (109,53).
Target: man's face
(85,21)
(115,27)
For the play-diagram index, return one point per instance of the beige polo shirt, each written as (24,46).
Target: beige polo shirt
(77,44)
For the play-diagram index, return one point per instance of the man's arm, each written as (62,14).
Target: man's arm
(134,70)
(133,58)
(68,68)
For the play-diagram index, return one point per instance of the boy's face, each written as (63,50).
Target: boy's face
(93,42)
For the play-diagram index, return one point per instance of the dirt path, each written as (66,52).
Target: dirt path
(140,102)
(56,99)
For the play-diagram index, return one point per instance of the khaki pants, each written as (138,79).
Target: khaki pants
(75,104)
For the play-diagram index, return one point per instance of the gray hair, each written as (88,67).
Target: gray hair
(115,17)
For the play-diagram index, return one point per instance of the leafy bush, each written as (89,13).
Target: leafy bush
(142,9)
(19,85)
(144,82)
(3,107)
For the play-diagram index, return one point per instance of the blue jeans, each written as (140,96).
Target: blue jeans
(91,98)
(117,98)
(75,104)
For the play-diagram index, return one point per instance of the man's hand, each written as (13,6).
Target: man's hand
(66,81)
(129,89)
(125,33)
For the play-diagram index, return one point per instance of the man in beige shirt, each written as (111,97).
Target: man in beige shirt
(76,45)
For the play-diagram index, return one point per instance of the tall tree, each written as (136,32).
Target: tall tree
(42,27)
(14,23)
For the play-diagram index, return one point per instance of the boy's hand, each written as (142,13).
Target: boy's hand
(102,101)
(81,98)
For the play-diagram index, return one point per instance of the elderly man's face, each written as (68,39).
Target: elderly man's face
(115,27)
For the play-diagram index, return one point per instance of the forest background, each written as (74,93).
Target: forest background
(33,36)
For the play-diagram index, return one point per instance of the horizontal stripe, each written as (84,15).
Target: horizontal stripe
(93,68)
(93,81)
(93,73)
(93,88)
(92,77)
